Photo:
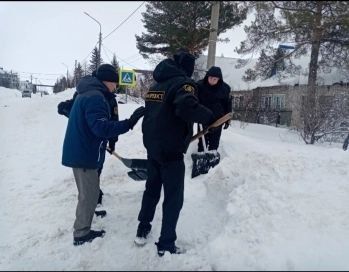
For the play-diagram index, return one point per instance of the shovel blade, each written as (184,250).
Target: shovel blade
(138,174)
(202,162)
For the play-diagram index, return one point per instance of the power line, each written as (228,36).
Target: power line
(37,73)
(123,21)
(105,52)
(89,53)
(120,58)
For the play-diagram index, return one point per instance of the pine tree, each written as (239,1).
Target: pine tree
(175,24)
(115,63)
(318,27)
(94,60)
(321,27)
(78,73)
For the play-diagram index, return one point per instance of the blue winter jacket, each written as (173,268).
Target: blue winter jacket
(89,126)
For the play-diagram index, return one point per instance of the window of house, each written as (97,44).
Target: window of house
(278,102)
(273,102)
(236,102)
(241,102)
(266,102)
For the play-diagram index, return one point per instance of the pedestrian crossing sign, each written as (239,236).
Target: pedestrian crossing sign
(127,77)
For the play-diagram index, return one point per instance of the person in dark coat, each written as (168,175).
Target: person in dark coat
(64,108)
(214,93)
(171,107)
(88,130)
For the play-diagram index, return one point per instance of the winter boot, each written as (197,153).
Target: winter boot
(172,250)
(143,232)
(101,213)
(100,197)
(88,237)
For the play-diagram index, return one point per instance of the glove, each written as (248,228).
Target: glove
(136,115)
(111,147)
(226,125)
(62,109)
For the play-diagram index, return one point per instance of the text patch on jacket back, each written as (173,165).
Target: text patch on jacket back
(154,96)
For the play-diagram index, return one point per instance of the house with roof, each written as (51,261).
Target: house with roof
(275,99)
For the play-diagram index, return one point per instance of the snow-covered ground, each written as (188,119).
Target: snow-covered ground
(273,203)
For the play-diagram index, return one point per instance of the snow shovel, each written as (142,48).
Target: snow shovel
(138,166)
(215,124)
(203,161)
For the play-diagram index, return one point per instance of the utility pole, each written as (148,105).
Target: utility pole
(100,38)
(213,35)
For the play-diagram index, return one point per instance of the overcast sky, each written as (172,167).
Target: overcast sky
(38,37)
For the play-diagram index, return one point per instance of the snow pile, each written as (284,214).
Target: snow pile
(272,203)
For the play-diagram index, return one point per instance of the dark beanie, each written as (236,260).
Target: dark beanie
(215,71)
(107,72)
(185,60)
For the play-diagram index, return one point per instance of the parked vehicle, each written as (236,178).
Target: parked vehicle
(26,93)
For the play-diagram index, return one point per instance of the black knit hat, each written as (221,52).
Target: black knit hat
(214,71)
(185,60)
(107,72)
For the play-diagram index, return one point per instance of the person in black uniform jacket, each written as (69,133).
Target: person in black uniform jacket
(214,93)
(171,108)
(65,107)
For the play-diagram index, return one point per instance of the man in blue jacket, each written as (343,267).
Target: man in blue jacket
(89,128)
(64,108)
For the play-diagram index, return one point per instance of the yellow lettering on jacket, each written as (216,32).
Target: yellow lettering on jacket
(154,96)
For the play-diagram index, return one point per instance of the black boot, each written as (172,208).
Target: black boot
(100,197)
(88,237)
(143,232)
(101,213)
(173,250)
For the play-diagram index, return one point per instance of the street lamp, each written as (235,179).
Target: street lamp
(100,38)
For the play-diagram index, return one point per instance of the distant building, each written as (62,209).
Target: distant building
(9,79)
(264,101)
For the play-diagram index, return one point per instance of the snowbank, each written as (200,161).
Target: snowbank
(272,203)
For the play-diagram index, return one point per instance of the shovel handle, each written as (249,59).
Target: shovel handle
(203,138)
(112,152)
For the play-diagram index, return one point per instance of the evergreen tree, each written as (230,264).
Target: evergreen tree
(321,27)
(175,24)
(85,68)
(115,63)
(94,60)
(78,73)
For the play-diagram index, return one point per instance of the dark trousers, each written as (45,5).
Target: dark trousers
(212,140)
(170,175)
